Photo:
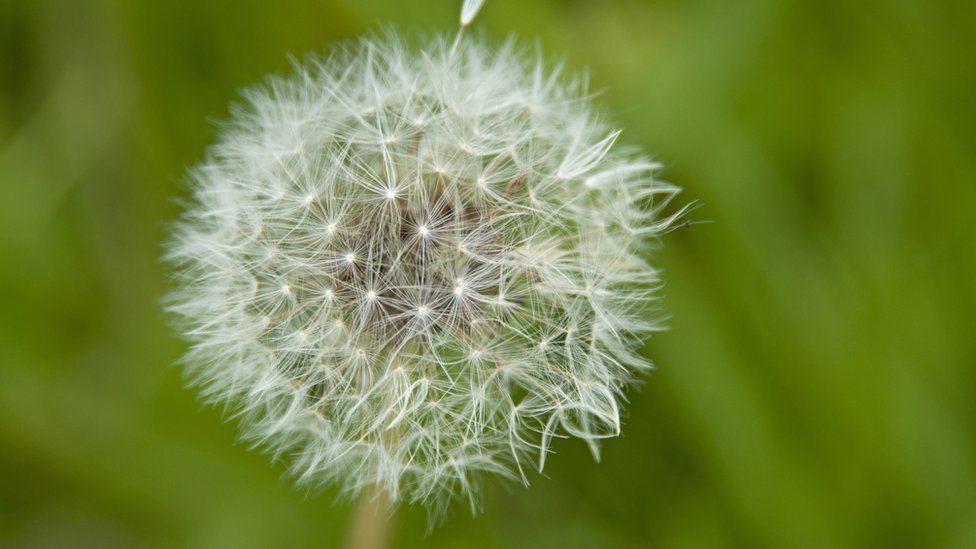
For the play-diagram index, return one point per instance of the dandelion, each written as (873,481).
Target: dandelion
(403,269)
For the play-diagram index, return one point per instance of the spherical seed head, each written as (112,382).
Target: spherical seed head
(404,269)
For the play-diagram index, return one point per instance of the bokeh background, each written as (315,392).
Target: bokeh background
(818,384)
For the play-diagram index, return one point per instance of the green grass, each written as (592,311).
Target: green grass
(818,385)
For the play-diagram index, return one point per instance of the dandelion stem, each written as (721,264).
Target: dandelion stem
(371,521)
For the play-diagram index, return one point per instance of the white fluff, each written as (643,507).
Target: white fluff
(404,269)
(469,11)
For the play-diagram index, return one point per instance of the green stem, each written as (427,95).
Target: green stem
(370,527)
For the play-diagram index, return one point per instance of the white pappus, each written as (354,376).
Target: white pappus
(402,269)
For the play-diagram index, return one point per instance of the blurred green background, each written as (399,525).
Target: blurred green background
(818,385)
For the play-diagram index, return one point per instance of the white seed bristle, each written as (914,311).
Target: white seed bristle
(469,10)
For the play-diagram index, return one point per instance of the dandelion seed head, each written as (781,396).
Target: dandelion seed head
(409,269)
